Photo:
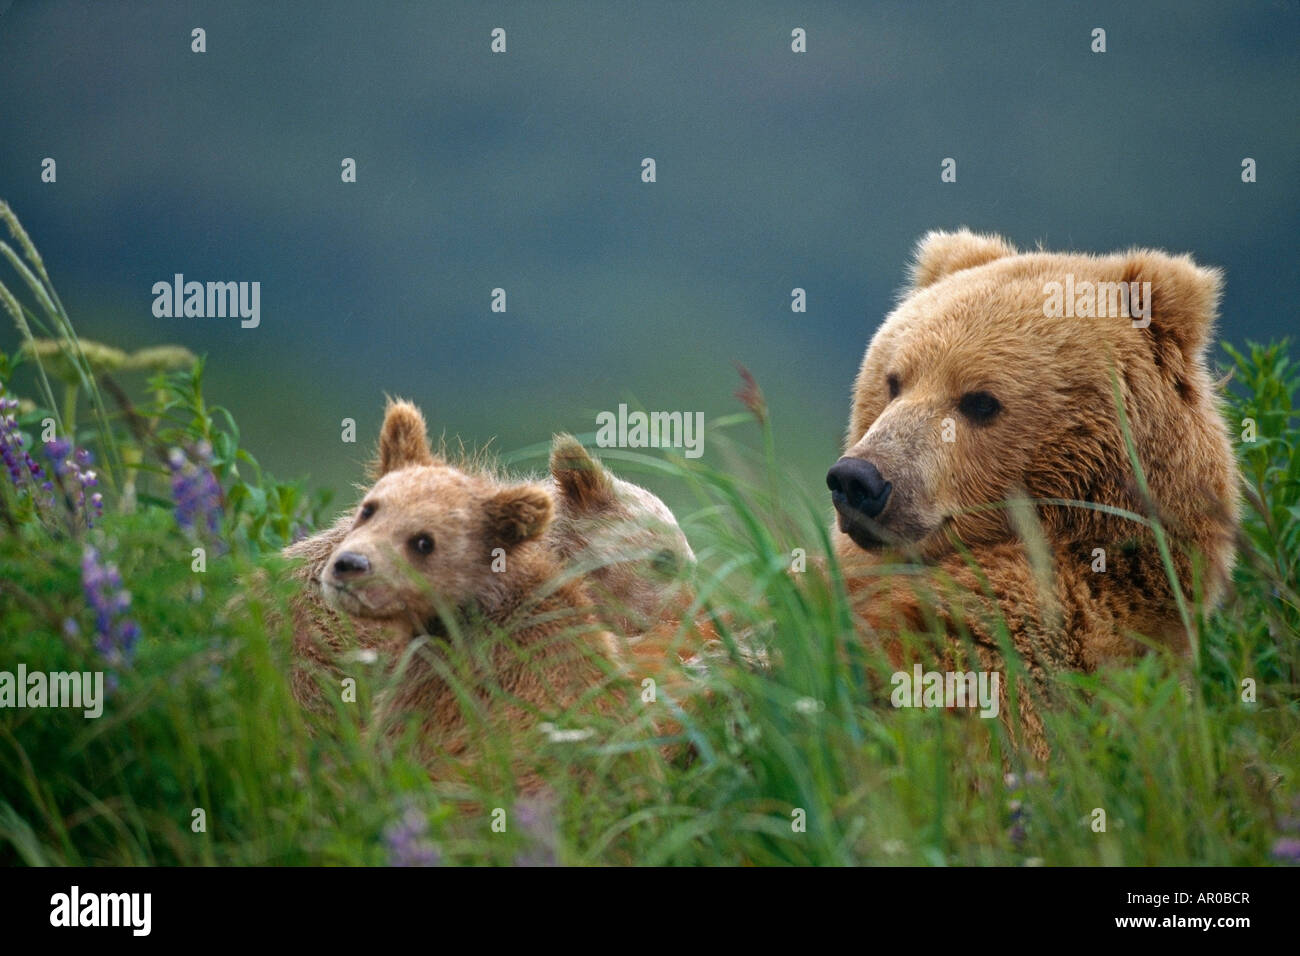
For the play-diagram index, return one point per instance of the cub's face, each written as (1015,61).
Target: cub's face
(972,393)
(426,536)
(413,541)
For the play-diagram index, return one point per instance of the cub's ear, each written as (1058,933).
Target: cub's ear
(403,440)
(1182,307)
(518,514)
(581,478)
(939,254)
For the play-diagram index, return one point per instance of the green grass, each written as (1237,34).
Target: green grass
(202,716)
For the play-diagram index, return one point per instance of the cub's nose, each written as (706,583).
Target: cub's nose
(857,486)
(350,564)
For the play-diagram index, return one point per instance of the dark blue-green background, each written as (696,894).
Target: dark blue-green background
(522,170)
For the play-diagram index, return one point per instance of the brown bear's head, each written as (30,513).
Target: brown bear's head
(426,536)
(995,378)
(621,537)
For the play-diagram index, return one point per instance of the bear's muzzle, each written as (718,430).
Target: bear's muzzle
(859,493)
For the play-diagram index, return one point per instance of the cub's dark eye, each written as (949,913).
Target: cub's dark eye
(422,543)
(980,407)
(894,387)
(665,562)
(367,510)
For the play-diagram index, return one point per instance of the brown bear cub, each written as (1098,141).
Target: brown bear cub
(457,563)
(995,381)
(628,546)
(618,537)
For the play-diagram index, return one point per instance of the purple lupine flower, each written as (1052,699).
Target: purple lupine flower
(69,476)
(1017,831)
(1019,813)
(74,476)
(535,817)
(58,452)
(115,633)
(17,460)
(195,489)
(1286,850)
(407,839)
(11,443)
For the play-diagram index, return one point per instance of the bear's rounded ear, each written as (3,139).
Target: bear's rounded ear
(581,478)
(939,254)
(403,440)
(1178,309)
(517,514)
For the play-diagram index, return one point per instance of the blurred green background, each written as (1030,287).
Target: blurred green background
(775,170)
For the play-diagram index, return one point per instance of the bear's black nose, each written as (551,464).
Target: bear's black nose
(857,485)
(350,563)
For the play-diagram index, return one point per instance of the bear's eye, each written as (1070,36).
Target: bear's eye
(979,407)
(368,509)
(422,543)
(665,562)
(894,387)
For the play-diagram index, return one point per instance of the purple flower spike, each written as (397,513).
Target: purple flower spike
(195,490)
(407,839)
(17,461)
(115,634)
(535,817)
(1286,850)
